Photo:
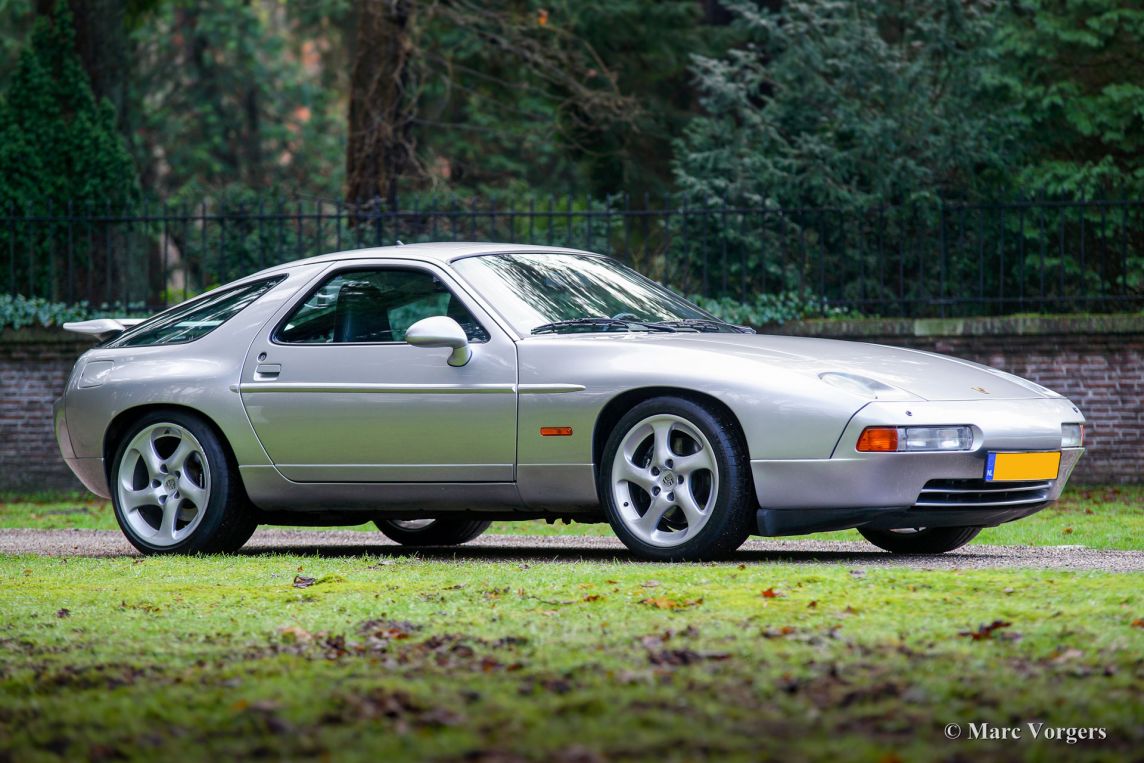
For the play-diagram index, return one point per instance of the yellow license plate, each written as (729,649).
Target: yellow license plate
(1011,467)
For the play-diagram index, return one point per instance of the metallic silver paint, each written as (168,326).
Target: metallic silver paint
(393,427)
(389,412)
(441,331)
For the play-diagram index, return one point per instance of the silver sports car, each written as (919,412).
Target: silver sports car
(435,388)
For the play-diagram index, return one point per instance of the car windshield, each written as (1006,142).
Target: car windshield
(543,293)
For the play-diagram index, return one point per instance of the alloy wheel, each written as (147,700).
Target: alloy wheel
(665,480)
(164,484)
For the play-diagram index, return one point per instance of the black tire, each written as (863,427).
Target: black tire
(928,540)
(732,516)
(228,519)
(439,532)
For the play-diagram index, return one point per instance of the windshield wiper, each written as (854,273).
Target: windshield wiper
(602,324)
(709,325)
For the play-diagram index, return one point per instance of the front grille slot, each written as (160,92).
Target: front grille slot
(982,494)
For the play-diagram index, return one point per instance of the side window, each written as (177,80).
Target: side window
(377,305)
(195,318)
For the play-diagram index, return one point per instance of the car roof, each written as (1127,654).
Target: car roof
(439,252)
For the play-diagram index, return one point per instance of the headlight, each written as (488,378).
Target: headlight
(915,439)
(1072,435)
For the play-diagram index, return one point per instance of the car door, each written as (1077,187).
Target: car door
(335,394)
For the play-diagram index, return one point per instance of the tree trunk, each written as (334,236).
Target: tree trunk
(102,44)
(380,146)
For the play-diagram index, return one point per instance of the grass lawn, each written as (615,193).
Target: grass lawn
(390,658)
(1098,517)
(399,657)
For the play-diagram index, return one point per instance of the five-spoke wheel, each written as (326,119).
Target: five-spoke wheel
(674,481)
(431,532)
(920,540)
(164,484)
(175,489)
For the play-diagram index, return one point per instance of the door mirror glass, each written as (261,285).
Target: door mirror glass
(441,331)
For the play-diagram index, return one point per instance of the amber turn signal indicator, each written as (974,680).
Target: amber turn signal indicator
(556,431)
(878,440)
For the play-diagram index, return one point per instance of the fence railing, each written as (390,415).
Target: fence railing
(915,260)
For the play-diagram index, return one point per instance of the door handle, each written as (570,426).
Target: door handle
(267,371)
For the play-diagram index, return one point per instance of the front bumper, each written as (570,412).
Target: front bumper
(956,502)
(903,490)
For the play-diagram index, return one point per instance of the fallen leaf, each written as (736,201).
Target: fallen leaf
(1138,622)
(592,597)
(303,582)
(1066,655)
(292,634)
(388,630)
(771,593)
(681,657)
(1068,531)
(664,602)
(786,630)
(63,613)
(812,604)
(985,632)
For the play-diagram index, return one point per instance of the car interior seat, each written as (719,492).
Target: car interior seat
(361,314)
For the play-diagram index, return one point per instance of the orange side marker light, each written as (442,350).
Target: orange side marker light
(556,431)
(878,440)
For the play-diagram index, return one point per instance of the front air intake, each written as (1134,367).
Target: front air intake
(982,494)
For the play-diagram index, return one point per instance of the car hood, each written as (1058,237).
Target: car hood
(924,375)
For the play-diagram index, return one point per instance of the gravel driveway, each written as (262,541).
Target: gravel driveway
(571,548)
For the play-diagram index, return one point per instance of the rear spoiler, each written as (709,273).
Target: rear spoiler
(103,328)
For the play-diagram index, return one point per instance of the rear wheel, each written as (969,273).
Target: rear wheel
(431,532)
(674,482)
(175,488)
(921,540)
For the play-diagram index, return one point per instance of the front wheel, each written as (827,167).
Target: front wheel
(922,540)
(674,482)
(175,488)
(431,532)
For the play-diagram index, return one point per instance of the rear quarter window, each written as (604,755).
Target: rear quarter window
(196,318)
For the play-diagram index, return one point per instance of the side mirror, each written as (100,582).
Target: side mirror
(441,331)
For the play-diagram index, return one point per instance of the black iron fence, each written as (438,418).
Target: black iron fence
(914,260)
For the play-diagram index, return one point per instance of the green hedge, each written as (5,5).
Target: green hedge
(18,312)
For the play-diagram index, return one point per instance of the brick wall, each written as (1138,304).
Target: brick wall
(1095,361)
(34,368)
(1098,362)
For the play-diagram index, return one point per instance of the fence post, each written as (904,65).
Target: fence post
(944,254)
